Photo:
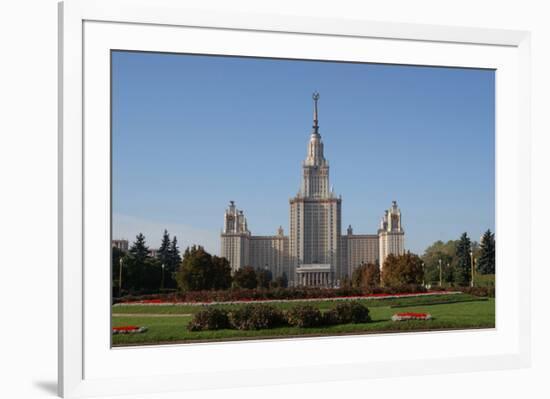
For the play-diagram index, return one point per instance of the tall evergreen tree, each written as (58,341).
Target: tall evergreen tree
(143,271)
(164,250)
(139,249)
(486,262)
(175,258)
(463,263)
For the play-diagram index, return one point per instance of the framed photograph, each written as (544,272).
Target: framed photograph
(279,199)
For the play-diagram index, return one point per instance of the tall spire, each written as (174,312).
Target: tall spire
(315,183)
(315,97)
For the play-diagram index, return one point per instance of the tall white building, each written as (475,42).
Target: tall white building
(315,253)
(391,234)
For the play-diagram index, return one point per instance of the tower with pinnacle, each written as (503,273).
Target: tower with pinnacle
(315,214)
(314,253)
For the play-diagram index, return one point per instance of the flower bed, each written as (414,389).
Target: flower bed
(129,330)
(411,316)
(249,295)
(335,298)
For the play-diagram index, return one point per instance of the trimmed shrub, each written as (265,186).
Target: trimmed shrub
(255,317)
(304,316)
(488,292)
(351,312)
(209,319)
(330,318)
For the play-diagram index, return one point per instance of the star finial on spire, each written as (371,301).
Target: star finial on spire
(315,97)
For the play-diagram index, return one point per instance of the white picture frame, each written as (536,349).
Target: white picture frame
(88,29)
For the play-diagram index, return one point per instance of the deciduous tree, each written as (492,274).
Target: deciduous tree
(245,277)
(264,277)
(366,276)
(221,273)
(402,270)
(195,272)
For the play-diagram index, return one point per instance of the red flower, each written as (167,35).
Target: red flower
(126,328)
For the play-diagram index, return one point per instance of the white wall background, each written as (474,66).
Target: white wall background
(28,196)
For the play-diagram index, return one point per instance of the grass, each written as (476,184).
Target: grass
(485,280)
(448,311)
(322,305)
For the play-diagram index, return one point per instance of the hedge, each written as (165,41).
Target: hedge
(209,319)
(263,316)
(256,317)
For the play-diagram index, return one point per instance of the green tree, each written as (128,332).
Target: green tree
(221,273)
(402,270)
(366,276)
(245,278)
(486,260)
(264,278)
(346,282)
(143,273)
(174,252)
(174,261)
(196,271)
(462,262)
(281,281)
(139,249)
(164,249)
(445,252)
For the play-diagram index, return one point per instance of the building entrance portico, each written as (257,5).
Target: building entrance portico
(314,275)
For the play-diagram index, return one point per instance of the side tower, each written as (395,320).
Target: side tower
(235,238)
(391,236)
(315,219)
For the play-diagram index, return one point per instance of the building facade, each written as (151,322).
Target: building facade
(315,253)
(120,244)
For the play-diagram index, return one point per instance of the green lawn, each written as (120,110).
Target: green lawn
(323,305)
(167,324)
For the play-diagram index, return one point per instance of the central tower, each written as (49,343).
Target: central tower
(315,218)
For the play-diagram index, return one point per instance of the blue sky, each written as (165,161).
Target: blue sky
(192,132)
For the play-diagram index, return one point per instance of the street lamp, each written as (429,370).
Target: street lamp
(162,280)
(120,278)
(440,275)
(472,268)
(423,275)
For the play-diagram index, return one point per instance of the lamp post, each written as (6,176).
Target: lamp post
(472,268)
(120,278)
(440,275)
(423,276)
(162,279)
